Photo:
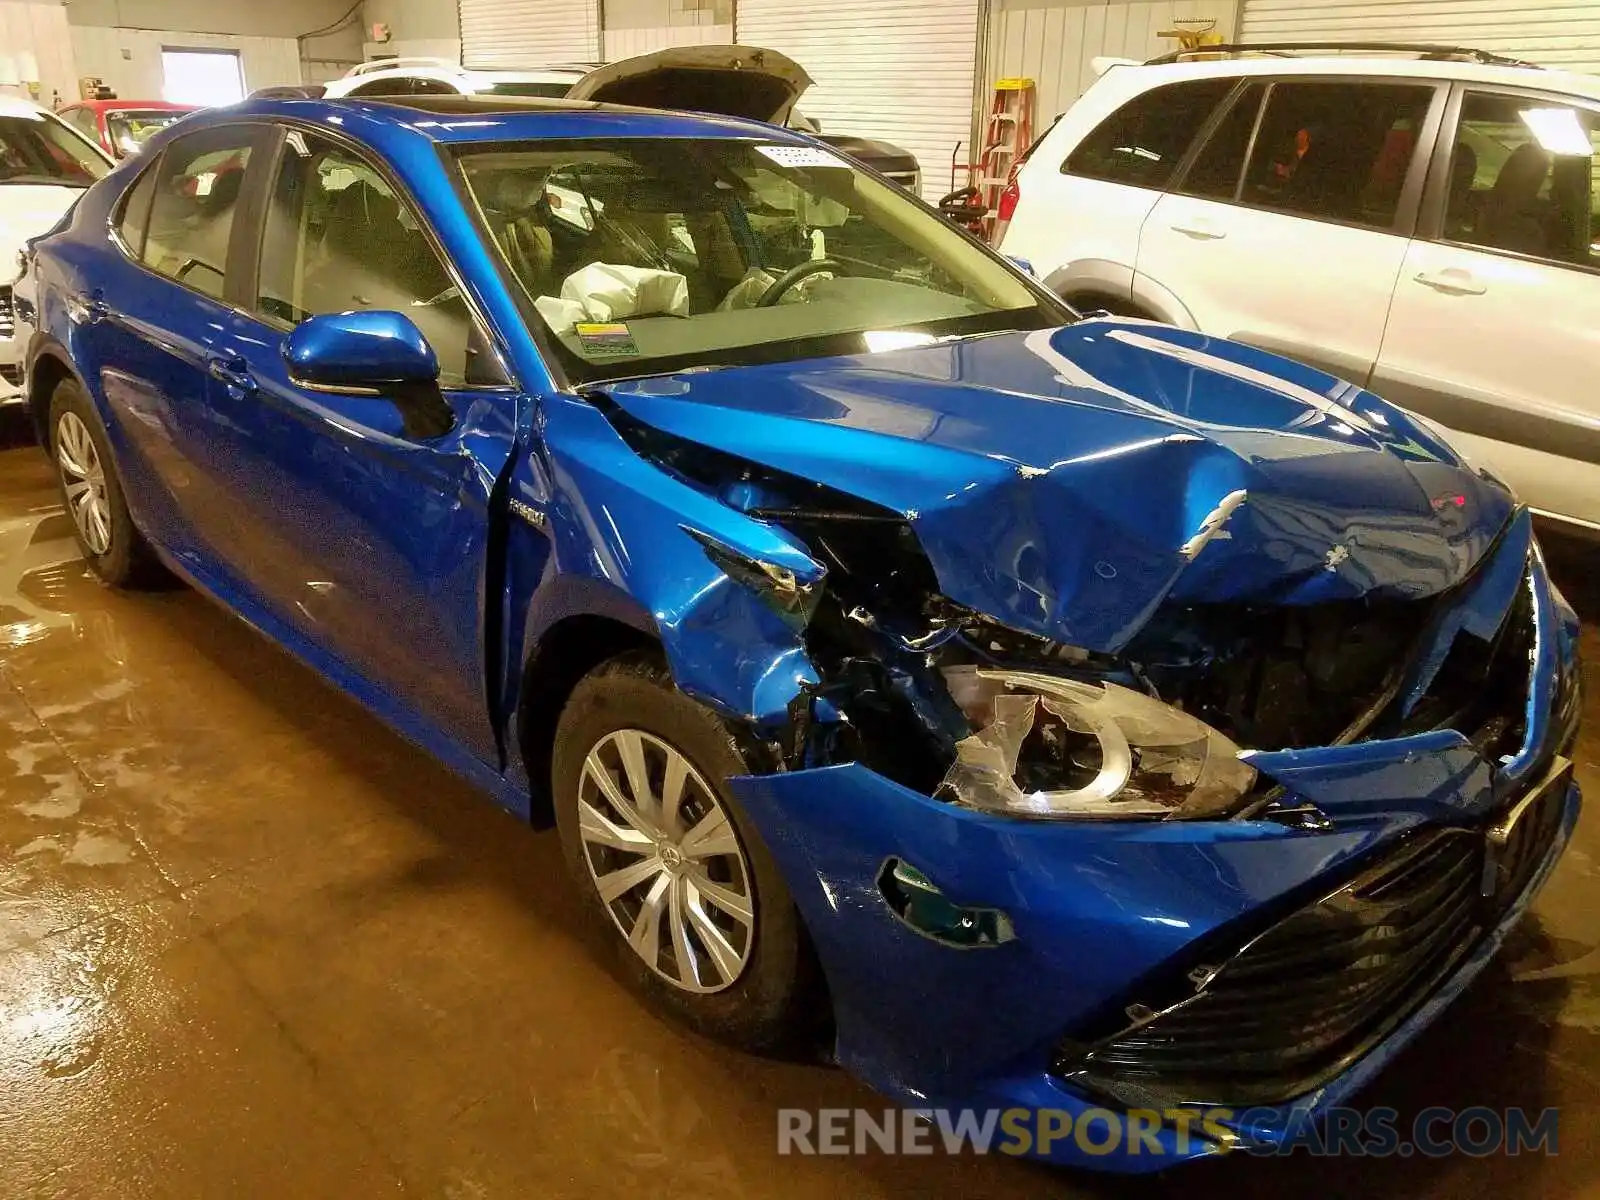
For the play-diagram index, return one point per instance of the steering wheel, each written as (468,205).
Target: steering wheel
(812,266)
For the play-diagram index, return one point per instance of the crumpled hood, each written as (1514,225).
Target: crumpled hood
(1067,482)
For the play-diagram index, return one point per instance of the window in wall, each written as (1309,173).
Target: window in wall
(1339,151)
(202,77)
(1143,140)
(1522,178)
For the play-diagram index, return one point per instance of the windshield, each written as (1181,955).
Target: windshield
(37,149)
(130,130)
(648,255)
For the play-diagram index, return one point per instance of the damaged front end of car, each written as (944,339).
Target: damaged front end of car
(1213,803)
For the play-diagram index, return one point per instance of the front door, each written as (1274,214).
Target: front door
(366,532)
(1495,328)
(1288,229)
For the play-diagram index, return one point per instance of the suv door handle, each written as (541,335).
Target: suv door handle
(1452,281)
(1200,229)
(234,372)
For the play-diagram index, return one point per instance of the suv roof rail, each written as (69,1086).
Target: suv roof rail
(1424,50)
(384,64)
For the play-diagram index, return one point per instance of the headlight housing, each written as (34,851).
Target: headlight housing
(1049,747)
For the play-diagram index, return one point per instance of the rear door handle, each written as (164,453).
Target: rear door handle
(233,372)
(1452,281)
(1200,229)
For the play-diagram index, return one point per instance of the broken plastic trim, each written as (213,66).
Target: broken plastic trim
(1107,751)
(923,908)
(793,597)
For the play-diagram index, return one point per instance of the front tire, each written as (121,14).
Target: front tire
(674,876)
(91,490)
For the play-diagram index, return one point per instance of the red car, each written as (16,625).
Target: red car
(121,126)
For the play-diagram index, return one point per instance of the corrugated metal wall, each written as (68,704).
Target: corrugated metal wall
(1553,33)
(900,70)
(625,43)
(1054,44)
(529,33)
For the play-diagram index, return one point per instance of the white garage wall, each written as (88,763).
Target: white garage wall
(34,40)
(1552,33)
(899,70)
(1053,44)
(129,60)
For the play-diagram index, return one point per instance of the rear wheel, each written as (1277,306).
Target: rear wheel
(91,490)
(673,874)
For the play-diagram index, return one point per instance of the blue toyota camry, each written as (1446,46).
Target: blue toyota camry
(1050,712)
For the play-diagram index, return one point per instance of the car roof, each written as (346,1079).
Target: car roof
(1495,74)
(16,106)
(467,119)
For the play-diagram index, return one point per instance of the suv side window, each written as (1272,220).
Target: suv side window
(1336,150)
(193,203)
(1522,178)
(1219,167)
(338,238)
(404,85)
(1141,143)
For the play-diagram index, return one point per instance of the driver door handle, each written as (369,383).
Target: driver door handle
(234,372)
(1200,229)
(1452,281)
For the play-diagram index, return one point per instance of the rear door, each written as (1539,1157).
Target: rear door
(1495,329)
(1288,229)
(151,333)
(1078,218)
(367,530)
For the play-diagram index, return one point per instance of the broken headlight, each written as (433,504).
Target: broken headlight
(1044,746)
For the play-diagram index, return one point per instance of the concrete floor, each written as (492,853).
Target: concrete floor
(251,943)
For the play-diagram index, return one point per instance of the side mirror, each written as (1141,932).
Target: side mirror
(371,352)
(368,352)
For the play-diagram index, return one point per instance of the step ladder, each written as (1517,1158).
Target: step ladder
(1006,135)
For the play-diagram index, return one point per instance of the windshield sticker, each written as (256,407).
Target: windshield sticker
(605,339)
(801,156)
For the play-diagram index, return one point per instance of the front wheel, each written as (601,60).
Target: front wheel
(673,874)
(91,490)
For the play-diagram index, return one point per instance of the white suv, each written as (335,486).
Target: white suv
(1422,225)
(440,77)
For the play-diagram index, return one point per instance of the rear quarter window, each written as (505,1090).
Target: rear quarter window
(1144,140)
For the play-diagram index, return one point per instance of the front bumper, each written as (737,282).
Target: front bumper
(1104,913)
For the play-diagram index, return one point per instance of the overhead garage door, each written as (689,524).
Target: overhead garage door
(899,70)
(1553,33)
(529,33)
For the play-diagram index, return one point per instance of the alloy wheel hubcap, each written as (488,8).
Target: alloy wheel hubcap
(666,861)
(83,478)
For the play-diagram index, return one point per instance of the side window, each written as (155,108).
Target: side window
(196,192)
(1335,150)
(135,214)
(1218,168)
(1522,178)
(405,85)
(337,238)
(1143,140)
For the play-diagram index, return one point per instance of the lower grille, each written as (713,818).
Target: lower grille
(11,373)
(1305,999)
(8,318)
